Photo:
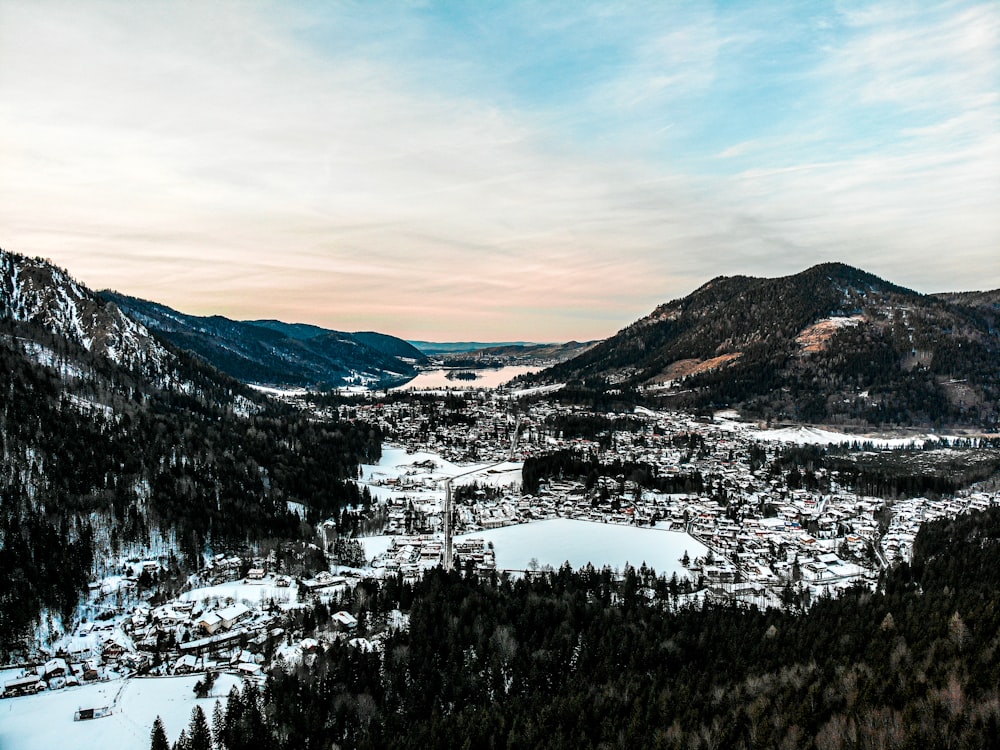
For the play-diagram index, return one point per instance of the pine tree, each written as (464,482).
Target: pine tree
(218,724)
(199,735)
(158,737)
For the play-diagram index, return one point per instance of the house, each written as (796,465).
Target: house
(233,614)
(31,683)
(185,664)
(209,622)
(345,620)
(55,668)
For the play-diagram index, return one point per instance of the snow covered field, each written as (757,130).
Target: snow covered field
(805,435)
(560,540)
(246,593)
(45,721)
(418,475)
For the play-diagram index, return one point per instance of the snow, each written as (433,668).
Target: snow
(254,593)
(375,545)
(536,390)
(45,721)
(396,463)
(560,540)
(817,436)
(279,392)
(804,435)
(400,474)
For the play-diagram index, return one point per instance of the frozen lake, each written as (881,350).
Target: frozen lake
(488,378)
(560,540)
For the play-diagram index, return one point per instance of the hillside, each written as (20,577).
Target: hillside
(444,348)
(832,343)
(584,659)
(517,354)
(269,352)
(114,442)
(987,302)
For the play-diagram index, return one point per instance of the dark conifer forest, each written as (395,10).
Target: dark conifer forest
(104,460)
(589,659)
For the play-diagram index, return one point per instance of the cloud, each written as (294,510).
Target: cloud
(455,172)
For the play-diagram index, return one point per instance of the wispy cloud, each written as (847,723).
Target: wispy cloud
(446,170)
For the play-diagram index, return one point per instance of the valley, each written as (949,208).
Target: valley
(724,510)
(178,543)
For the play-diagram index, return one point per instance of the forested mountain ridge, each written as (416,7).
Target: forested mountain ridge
(270,352)
(832,343)
(102,452)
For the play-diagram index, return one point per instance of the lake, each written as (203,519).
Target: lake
(488,378)
(560,540)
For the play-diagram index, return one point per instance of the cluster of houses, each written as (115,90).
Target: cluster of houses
(54,674)
(411,555)
(182,636)
(762,532)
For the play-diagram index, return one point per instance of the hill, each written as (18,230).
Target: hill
(270,352)
(517,354)
(439,348)
(833,344)
(115,443)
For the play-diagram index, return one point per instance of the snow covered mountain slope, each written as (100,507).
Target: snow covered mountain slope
(35,291)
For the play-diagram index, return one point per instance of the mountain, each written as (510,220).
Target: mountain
(380,342)
(517,354)
(34,291)
(832,343)
(436,348)
(270,352)
(114,443)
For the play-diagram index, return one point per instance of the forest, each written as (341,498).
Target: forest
(586,466)
(578,659)
(108,460)
(926,470)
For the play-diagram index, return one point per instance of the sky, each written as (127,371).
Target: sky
(539,171)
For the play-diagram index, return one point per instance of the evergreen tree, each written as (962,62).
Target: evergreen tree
(158,737)
(199,735)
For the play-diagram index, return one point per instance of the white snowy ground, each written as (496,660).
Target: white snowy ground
(803,435)
(375,545)
(249,594)
(422,484)
(45,721)
(560,540)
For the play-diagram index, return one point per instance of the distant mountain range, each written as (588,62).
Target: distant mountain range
(516,354)
(436,348)
(269,352)
(833,343)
